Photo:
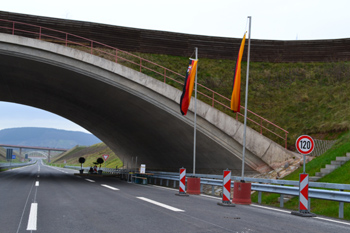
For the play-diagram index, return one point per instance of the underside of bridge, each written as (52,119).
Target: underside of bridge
(122,113)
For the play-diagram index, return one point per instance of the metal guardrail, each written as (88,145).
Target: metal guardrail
(12,165)
(140,64)
(282,187)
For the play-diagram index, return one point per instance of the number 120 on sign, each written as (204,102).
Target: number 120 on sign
(305,144)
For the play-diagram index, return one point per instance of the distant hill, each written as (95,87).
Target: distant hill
(46,137)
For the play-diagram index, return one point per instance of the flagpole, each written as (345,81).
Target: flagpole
(246,100)
(195,117)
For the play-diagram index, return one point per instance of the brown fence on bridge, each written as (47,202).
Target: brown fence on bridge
(178,44)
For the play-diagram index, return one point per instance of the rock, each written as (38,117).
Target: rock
(286,165)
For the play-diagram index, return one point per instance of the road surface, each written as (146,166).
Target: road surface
(40,198)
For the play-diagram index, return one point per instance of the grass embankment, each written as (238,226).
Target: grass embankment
(340,175)
(303,98)
(90,154)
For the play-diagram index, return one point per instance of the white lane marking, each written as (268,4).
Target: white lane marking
(160,204)
(38,168)
(269,208)
(164,187)
(90,180)
(110,187)
(331,220)
(284,211)
(32,217)
(37,183)
(203,195)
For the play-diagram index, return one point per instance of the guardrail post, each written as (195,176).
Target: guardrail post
(92,45)
(201,188)
(116,56)
(282,200)
(167,183)
(212,190)
(174,183)
(13,28)
(161,182)
(341,207)
(259,197)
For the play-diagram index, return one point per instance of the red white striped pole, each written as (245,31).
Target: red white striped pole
(226,189)
(182,183)
(304,197)
(304,192)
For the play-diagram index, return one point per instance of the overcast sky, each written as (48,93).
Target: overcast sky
(271,19)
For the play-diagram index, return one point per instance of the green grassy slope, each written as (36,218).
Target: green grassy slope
(90,154)
(303,98)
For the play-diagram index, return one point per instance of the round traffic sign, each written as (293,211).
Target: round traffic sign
(305,144)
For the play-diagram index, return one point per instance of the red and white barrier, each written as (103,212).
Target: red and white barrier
(226,188)
(303,197)
(304,192)
(182,182)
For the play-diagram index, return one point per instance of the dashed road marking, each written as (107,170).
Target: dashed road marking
(160,204)
(89,180)
(110,187)
(37,183)
(32,217)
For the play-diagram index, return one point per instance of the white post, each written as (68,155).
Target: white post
(246,99)
(195,117)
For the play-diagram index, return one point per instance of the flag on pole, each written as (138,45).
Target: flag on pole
(236,89)
(188,86)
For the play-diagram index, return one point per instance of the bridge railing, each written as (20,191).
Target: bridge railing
(145,66)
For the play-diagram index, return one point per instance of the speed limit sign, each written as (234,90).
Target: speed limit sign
(305,144)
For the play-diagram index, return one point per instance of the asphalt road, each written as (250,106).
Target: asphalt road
(67,203)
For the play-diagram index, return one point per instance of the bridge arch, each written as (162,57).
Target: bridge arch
(135,115)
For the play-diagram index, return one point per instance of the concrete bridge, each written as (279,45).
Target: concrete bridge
(134,114)
(44,151)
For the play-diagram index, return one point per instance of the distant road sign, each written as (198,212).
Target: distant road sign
(105,157)
(13,156)
(9,153)
(305,144)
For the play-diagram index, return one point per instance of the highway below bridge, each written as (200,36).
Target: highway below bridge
(41,198)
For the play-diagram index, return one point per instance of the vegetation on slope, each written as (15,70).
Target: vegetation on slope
(90,154)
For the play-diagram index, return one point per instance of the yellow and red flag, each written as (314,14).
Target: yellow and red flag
(236,89)
(188,86)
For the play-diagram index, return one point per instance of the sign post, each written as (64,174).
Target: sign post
(305,145)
